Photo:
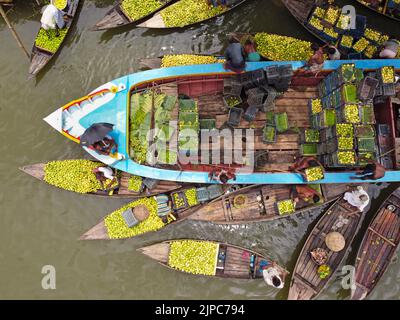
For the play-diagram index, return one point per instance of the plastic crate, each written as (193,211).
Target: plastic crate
(270,118)
(366,89)
(258,77)
(361,24)
(327,118)
(250,113)
(180,195)
(269,134)
(367,114)
(355,56)
(232,87)
(309,136)
(336,163)
(387,162)
(380,78)
(150,183)
(226,98)
(255,96)
(364,157)
(202,194)
(269,102)
(321,149)
(281,122)
(235,114)
(286,71)
(364,131)
(383,130)
(208,124)
(366,144)
(326,134)
(272,74)
(308,149)
(214,191)
(389,89)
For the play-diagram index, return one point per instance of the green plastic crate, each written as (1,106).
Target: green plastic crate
(281,122)
(309,149)
(269,134)
(207,124)
(366,144)
(349,93)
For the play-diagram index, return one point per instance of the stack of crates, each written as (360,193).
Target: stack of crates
(345,123)
(189,127)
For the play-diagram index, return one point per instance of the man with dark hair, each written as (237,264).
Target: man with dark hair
(306,193)
(333,53)
(235,56)
(372,171)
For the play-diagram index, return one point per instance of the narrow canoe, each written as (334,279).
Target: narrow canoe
(384,9)
(117,17)
(40,57)
(306,283)
(101,232)
(235,265)
(157,22)
(260,204)
(378,247)
(37,171)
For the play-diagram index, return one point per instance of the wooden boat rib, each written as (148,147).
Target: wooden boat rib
(37,171)
(378,247)
(116,17)
(385,10)
(236,264)
(261,204)
(157,22)
(39,57)
(306,283)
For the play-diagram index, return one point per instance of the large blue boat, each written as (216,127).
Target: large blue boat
(167,101)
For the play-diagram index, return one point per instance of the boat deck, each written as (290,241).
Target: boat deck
(279,155)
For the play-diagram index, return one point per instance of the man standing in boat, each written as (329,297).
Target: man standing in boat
(52,18)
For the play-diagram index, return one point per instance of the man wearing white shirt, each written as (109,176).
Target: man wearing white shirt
(52,18)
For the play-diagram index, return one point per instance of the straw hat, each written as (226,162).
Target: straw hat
(140,212)
(335,241)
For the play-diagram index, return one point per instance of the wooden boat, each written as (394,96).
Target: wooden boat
(102,232)
(116,17)
(382,9)
(39,57)
(306,283)
(301,10)
(378,247)
(204,85)
(157,22)
(237,262)
(37,171)
(260,204)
